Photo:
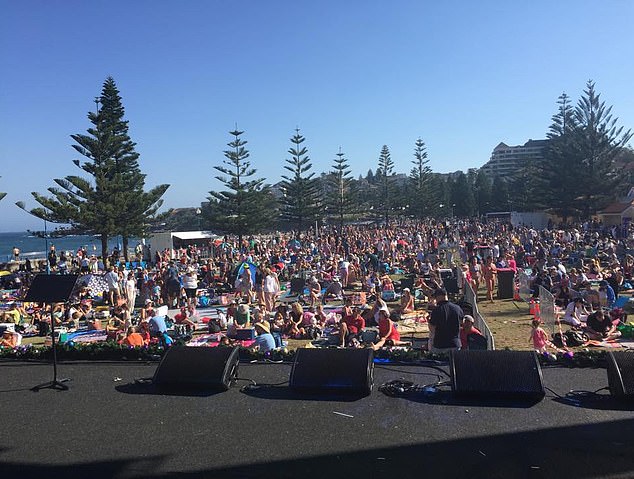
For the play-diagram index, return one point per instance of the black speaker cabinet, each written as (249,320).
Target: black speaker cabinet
(333,370)
(198,368)
(451,285)
(497,374)
(621,374)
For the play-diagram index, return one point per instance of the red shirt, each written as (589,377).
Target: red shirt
(463,335)
(355,323)
(387,329)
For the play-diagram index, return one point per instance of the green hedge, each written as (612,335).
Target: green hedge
(111,351)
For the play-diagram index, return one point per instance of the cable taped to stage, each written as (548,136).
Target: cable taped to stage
(402,388)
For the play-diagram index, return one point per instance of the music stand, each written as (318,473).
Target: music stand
(51,289)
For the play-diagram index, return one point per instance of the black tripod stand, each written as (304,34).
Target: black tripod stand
(49,289)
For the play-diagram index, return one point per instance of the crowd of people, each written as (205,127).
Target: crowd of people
(333,266)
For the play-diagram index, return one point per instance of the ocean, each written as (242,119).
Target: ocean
(34,247)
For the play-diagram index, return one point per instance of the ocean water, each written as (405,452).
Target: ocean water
(33,247)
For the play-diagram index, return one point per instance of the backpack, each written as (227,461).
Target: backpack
(570,338)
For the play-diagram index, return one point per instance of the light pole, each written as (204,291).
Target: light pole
(452,207)
(198,213)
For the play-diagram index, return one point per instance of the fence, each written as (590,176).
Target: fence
(525,291)
(471,298)
(547,309)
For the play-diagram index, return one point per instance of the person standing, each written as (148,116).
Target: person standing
(489,272)
(52,258)
(444,324)
(112,279)
(130,291)
(271,289)
(190,284)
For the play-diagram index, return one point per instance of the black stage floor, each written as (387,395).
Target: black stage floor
(107,426)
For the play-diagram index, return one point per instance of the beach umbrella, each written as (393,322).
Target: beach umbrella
(247,264)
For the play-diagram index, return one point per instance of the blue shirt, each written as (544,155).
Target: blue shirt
(157,324)
(265,342)
(610,296)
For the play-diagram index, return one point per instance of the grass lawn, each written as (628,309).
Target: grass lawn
(509,322)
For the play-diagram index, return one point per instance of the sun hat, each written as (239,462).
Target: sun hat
(406,289)
(264,325)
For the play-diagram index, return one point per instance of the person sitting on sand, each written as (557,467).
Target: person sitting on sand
(264,340)
(388,334)
(134,338)
(350,327)
(468,330)
(182,318)
(576,313)
(334,290)
(314,290)
(9,339)
(294,321)
(600,327)
(407,302)
(148,310)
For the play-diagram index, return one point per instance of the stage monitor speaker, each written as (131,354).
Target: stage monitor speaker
(445,274)
(197,368)
(297,285)
(451,285)
(333,370)
(497,374)
(621,374)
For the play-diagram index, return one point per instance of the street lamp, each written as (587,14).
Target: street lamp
(198,213)
(452,207)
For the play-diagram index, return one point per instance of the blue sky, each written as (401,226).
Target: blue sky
(461,75)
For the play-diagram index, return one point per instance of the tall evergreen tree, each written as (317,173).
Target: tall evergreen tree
(340,195)
(301,201)
(133,206)
(598,140)
(246,206)
(554,182)
(420,181)
(112,200)
(386,167)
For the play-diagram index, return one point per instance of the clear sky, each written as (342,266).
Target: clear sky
(461,75)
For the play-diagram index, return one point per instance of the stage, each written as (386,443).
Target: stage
(108,426)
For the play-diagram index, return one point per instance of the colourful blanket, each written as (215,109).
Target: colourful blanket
(213,340)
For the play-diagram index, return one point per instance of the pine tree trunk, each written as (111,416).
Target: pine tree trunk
(104,249)
(125,248)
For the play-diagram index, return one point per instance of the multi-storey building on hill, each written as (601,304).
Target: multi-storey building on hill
(506,160)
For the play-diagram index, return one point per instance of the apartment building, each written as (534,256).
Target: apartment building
(506,160)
